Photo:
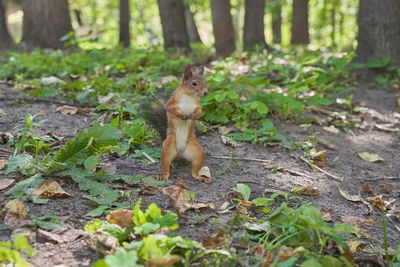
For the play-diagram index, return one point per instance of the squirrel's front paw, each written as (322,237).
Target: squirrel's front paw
(163,177)
(195,116)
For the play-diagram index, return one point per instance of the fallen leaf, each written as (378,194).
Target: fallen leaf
(357,221)
(383,188)
(52,80)
(103,242)
(180,198)
(148,191)
(121,217)
(394,211)
(105,99)
(305,190)
(390,127)
(166,261)
(49,189)
(205,172)
(13,211)
(4,183)
(370,157)
(325,215)
(269,258)
(63,234)
(88,111)
(41,113)
(367,190)
(331,129)
(228,141)
(223,130)
(346,195)
(288,252)
(3,163)
(2,113)
(67,110)
(217,241)
(259,250)
(318,157)
(362,138)
(356,245)
(376,201)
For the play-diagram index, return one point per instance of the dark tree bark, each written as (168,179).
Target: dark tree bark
(253,32)
(223,27)
(124,20)
(379,30)
(173,23)
(300,22)
(5,37)
(194,36)
(277,24)
(45,22)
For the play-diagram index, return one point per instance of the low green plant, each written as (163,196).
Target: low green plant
(10,252)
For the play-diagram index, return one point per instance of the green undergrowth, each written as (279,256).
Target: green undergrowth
(294,234)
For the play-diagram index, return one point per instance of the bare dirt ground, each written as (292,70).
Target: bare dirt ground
(342,161)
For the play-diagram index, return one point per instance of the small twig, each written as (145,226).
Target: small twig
(295,173)
(248,182)
(321,170)
(149,158)
(249,159)
(379,178)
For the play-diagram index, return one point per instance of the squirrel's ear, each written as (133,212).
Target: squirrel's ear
(200,70)
(187,73)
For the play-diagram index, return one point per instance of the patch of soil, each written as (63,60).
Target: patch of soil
(342,160)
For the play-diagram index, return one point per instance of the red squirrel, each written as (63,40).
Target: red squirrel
(183,109)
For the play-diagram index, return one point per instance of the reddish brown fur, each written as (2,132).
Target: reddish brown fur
(181,125)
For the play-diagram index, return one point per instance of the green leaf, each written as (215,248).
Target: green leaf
(97,211)
(91,162)
(311,262)
(22,243)
(330,261)
(288,263)
(146,228)
(169,220)
(138,217)
(122,258)
(150,249)
(47,222)
(26,164)
(92,226)
(152,212)
(244,190)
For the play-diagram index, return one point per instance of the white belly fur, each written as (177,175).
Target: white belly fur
(187,106)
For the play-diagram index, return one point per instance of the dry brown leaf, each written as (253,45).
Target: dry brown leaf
(103,242)
(347,196)
(88,111)
(370,157)
(288,252)
(259,250)
(217,241)
(49,189)
(105,99)
(268,259)
(367,190)
(325,215)
(180,198)
(63,234)
(121,217)
(67,110)
(148,191)
(41,113)
(331,129)
(305,190)
(166,261)
(383,188)
(13,211)
(4,183)
(2,113)
(205,172)
(223,130)
(228,141)
(356,245)
(390,127)
(377,202)
(362,138)
(357,221)
(3,163)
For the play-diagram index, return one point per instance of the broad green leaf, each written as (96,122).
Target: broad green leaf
(123,258)
(244,190)
(150,249)
(146,228)
(22,243)
(91,162)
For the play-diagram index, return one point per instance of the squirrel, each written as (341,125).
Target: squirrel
(178,117)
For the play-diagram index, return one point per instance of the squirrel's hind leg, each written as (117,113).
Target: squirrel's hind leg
(194,153)
(167,155)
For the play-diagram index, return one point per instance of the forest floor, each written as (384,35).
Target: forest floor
(359,177)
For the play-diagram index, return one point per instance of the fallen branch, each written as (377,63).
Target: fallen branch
(321,170)
(249,159)
(380,178)
(149,158)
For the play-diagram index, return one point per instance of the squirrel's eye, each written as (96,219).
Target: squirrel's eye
(194,83)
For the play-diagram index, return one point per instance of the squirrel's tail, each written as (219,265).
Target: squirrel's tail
(155,114)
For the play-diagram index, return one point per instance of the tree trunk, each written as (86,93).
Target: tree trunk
(124,19)
(277,24)
(253,32)
(45,22)
(223,27)
(173,23)
(5,37)
(300,22)
(379,30)
(194,36)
